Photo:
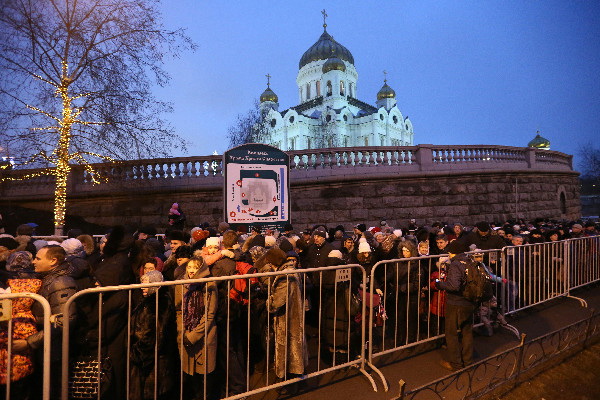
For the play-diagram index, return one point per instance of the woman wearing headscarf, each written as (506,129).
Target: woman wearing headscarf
(152,346)
(24,325)
(197,330)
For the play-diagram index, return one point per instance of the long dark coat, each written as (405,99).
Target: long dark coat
(153,332)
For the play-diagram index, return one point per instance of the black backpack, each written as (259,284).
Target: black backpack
(478,283)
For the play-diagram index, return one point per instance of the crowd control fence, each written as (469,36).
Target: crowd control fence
(16,323)
(272,338)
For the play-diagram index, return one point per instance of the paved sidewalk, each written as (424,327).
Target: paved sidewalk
(424,368)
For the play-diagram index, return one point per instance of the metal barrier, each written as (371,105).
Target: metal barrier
(413,306)
(584,261)
(266,331)
(7,315)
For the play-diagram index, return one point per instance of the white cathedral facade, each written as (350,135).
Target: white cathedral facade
(329,113)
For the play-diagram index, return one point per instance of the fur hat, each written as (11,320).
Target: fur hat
(212,241)
(148,230)
(72,246)
(177,235)
(335,254)
(457,247)
(183,252)
(19,261)
(364,247)
(286,245)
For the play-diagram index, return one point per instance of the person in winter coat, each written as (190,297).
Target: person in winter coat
(459,311)
(176,217)
(57,287)
(405,280)
(198,331)
(287,307)
(114,269)
(337,312)
(438,298)
(24,325)
(152,346)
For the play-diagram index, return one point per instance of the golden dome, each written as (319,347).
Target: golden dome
(332,64)
(386,92)
(539,142)
(325,48)
(268,95)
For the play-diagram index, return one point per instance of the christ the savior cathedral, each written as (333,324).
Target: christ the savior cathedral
(329,113)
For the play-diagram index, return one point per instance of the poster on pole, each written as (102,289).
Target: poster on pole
(256,188)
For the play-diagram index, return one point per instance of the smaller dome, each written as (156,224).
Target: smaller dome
(539,142)
(334,64)
(268,95)
(386,92)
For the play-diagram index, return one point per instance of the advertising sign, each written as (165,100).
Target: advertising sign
(256,186)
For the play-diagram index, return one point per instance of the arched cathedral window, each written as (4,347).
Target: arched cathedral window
(318,88)
(342,91)
(329,88)
(308,91)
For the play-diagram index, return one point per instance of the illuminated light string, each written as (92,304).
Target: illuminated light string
(61,156)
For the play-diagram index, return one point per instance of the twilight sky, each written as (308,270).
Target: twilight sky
(464,71)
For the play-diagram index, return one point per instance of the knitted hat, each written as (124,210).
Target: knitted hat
(152,277)
(364,248)
(577,226)
(360,227)
(39,244)
(19,261)
(72,246)
(335,254)
(199,234)
(398,232)
(212,241)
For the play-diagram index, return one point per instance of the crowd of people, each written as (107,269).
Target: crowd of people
(202,327)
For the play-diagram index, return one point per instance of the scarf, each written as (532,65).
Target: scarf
(193,305)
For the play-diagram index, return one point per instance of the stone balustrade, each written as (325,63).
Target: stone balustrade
(336,163)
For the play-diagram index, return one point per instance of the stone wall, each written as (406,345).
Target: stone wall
(465,196)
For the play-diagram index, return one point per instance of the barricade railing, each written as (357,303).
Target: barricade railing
(538,273)
(584,261)
(255,346)
(17,322)
(414,308)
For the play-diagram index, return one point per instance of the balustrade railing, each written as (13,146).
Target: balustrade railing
(404,158)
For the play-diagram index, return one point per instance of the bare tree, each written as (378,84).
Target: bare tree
(324,133)
(76,84)
(589,161)
(251,127)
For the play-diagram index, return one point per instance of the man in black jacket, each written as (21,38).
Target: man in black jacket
(57,287)
(459,311)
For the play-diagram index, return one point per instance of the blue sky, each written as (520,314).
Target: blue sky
(465,72)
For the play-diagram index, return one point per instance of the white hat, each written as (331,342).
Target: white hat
(72,246)
(270,241)
(335,254)
(362,240)
(212,241)
(364,247)
(398,232)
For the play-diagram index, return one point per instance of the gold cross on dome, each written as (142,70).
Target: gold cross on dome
(324,18)
(384,76)
(268,79)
